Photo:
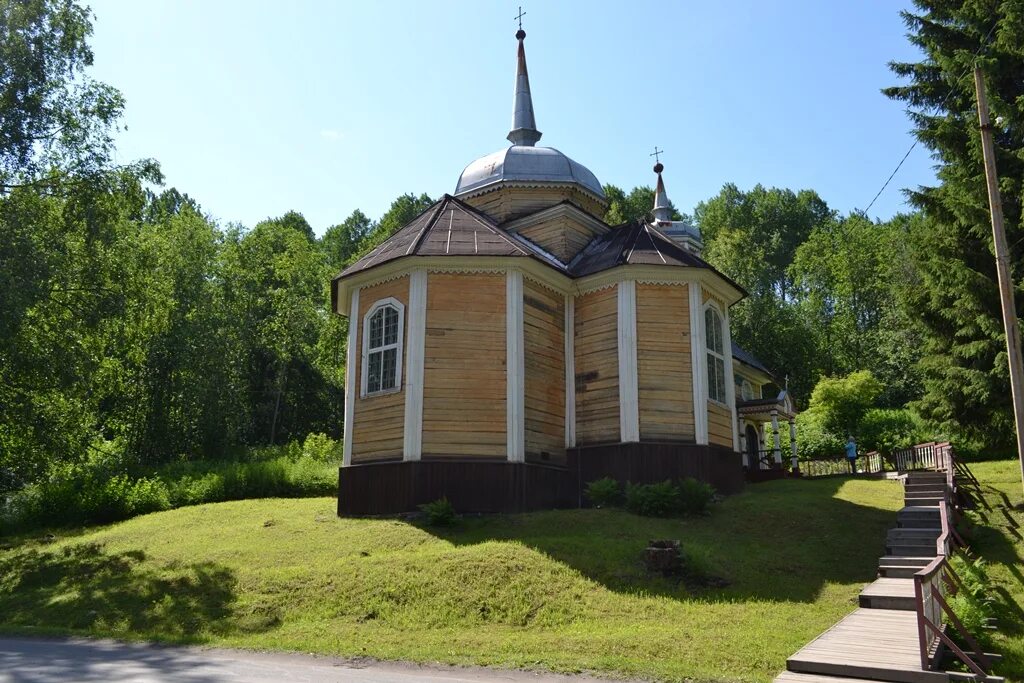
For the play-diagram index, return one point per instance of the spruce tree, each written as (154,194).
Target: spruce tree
(953,295)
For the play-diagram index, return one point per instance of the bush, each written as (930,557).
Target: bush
(885,430)
(604,493)
(439,513)
(321,448)
(972,604)
(694,496)
(653,500)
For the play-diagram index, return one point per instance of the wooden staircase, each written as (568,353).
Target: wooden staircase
(881,640)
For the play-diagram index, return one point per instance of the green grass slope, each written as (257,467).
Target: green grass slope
(559,590)
(999,539)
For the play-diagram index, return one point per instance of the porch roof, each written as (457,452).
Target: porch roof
(761,408)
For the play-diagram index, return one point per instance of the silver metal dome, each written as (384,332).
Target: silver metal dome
(520,163)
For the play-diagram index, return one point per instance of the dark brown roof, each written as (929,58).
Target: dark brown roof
(450,227)
(453,228)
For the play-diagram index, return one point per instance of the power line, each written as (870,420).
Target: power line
(936,108)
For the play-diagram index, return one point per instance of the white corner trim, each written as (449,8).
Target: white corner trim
(730,379)
(515,367)
(698,359)
(570,371)
(364,379)
(414,349)
(629,408)
(350,379)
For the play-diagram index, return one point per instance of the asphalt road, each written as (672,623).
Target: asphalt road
(74,660)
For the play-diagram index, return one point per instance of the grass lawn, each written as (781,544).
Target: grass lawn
(998,539)
(558,590)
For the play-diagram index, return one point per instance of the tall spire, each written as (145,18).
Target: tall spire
(524,127)
(662,205)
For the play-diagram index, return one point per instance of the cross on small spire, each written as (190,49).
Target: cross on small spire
(656,153)
(519,17)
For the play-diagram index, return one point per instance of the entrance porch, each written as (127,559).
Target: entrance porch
(760,440)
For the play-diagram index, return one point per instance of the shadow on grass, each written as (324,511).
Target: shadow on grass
(81,588)
(781,540)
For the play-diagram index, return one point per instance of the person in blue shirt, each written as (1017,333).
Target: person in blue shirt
(851,454)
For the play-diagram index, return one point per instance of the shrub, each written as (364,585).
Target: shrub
(694,496)
(972,604)
(885,430)
(653,500)
(321,448)
(604,492)
(439,513)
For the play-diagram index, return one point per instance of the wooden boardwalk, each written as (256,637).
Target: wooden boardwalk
(876,644)
(879,641)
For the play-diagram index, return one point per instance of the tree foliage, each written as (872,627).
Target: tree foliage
(953,299)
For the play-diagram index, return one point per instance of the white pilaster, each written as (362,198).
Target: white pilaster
(698,356)
(629,399)
(570,371)
(730,381)
(777,450)
(414,343)
(351,390)
(515,367)
(792,445)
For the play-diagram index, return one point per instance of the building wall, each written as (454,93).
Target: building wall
(379,421)
(464,366)
(544,339)
(665,369)
(507,203)
(597,367)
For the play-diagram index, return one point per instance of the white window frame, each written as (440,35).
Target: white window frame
(712,353)
(398,346)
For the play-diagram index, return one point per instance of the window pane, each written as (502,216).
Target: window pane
(373,372)
(390,325)
(719,342)
(389,379)
(377,329)
(720,365)
(709,328)
(712,381)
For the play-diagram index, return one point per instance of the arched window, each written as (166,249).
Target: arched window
(747,391)
(382,347)
(716,354)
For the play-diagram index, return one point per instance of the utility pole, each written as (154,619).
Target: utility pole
(1002,269)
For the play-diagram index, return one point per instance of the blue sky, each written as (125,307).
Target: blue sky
(256,108)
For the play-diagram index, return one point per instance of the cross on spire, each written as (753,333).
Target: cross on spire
(519,17)
(656,153)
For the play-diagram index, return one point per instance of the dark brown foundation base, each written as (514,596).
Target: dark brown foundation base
(501,486)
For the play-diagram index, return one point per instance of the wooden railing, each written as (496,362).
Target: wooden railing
(871,462)
(933,583)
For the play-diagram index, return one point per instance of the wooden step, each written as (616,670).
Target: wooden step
(915,534)
(898,571)
(917,523)
(904,561)
(793,677)
(923,499)
(889,593)
(906,549)
(875,644)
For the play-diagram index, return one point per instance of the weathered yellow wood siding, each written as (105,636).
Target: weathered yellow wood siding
(544,343)
(508,203)
(719,425)
(563,237)
(597,367)
(464,366)
(665,368)
(379,421)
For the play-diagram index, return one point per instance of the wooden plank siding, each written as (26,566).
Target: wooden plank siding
(719,424)
(562,237)
(665,368)
(597,367)
(507,203)
(464,366)
(544,337)
(379,421)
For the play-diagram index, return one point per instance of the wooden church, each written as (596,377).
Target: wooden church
(508,346)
